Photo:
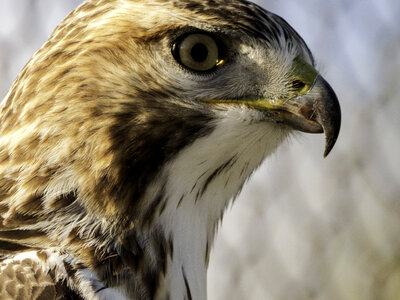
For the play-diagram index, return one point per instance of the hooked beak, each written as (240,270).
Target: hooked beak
(316,111)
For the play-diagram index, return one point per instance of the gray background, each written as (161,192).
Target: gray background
(304,227)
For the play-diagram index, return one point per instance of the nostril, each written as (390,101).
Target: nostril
(298,84)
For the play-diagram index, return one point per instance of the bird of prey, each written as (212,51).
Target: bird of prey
(128,133)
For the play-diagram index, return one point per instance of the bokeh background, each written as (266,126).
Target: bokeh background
(304,227)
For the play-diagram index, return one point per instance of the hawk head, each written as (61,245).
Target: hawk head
(126,135)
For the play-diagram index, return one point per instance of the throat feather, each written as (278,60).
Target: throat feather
(199,183)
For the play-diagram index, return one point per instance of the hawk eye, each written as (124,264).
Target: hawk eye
(198,52)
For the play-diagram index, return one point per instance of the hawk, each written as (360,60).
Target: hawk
(128,133)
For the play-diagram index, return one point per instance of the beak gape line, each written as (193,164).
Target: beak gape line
(315,111)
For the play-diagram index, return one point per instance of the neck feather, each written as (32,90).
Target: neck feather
(198,186)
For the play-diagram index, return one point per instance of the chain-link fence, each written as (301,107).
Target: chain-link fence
(303,227)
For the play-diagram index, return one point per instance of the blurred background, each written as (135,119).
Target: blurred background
(304,227)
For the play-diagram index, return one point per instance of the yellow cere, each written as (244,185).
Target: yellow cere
(303,73)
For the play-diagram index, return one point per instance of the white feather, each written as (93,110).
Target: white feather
(192,222)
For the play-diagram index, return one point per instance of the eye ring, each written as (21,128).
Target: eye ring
(199,52)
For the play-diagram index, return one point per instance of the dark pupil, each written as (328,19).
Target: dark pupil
(199,52)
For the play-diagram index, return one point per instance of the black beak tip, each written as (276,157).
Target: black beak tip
(329,143)
(329,116)
(331,126)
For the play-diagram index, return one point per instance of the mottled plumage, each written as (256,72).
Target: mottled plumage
(119,149)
